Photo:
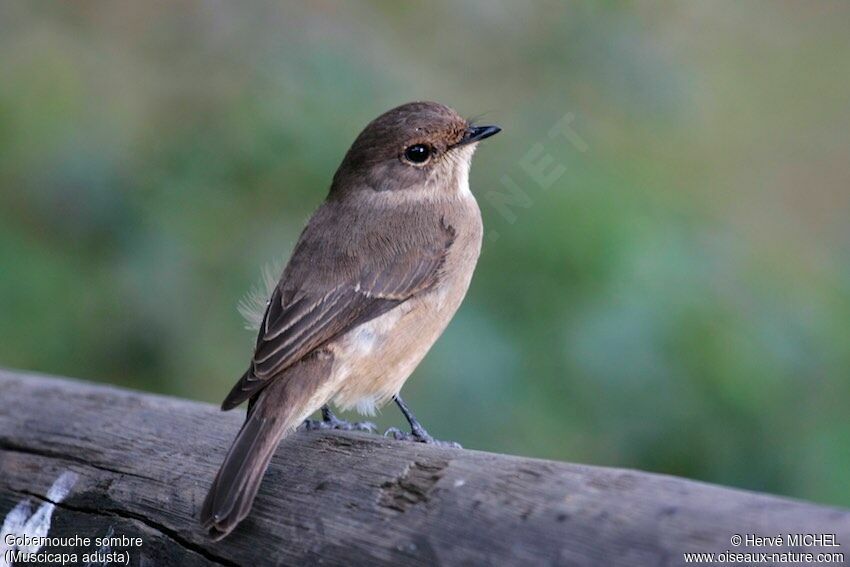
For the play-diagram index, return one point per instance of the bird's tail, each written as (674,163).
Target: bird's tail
(277,411)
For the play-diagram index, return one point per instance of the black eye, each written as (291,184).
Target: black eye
(418,153)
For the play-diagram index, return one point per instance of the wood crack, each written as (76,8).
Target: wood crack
(5,445)
(165,531)
(413,487)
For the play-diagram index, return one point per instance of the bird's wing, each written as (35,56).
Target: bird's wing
(305,312)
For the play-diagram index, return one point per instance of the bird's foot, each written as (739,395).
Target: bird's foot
(340,424)
(419,435)
(331,421)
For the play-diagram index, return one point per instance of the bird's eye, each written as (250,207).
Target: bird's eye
(418,153)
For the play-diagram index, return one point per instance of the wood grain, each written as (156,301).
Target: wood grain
(144,462)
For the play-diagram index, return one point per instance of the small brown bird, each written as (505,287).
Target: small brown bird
(374,279)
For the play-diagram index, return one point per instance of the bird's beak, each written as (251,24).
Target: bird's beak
(478,133)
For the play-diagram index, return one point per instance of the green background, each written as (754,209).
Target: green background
(678,300)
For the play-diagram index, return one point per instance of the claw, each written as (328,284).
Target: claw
(419,437)
(365,426)
(330,421)
(339,425)
(394,432)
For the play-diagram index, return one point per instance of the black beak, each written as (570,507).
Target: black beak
(478,133)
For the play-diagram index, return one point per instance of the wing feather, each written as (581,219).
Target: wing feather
(301,319)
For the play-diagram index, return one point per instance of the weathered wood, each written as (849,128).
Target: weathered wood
(143,464)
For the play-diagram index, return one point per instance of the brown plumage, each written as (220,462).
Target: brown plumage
(374,279)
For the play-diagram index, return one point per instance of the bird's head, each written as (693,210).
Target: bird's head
(418,149)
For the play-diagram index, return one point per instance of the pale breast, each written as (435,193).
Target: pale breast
(373,361)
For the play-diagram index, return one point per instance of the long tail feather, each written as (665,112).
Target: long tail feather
(276,411)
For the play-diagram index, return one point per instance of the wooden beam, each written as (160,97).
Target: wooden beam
(88,460)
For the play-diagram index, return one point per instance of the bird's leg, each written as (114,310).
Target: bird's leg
(331,421)
(417,432)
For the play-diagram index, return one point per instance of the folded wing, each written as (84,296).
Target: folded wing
(303,315)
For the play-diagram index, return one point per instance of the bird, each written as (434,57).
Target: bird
(374,279)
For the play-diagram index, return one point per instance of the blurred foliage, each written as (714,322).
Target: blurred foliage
(677,301)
